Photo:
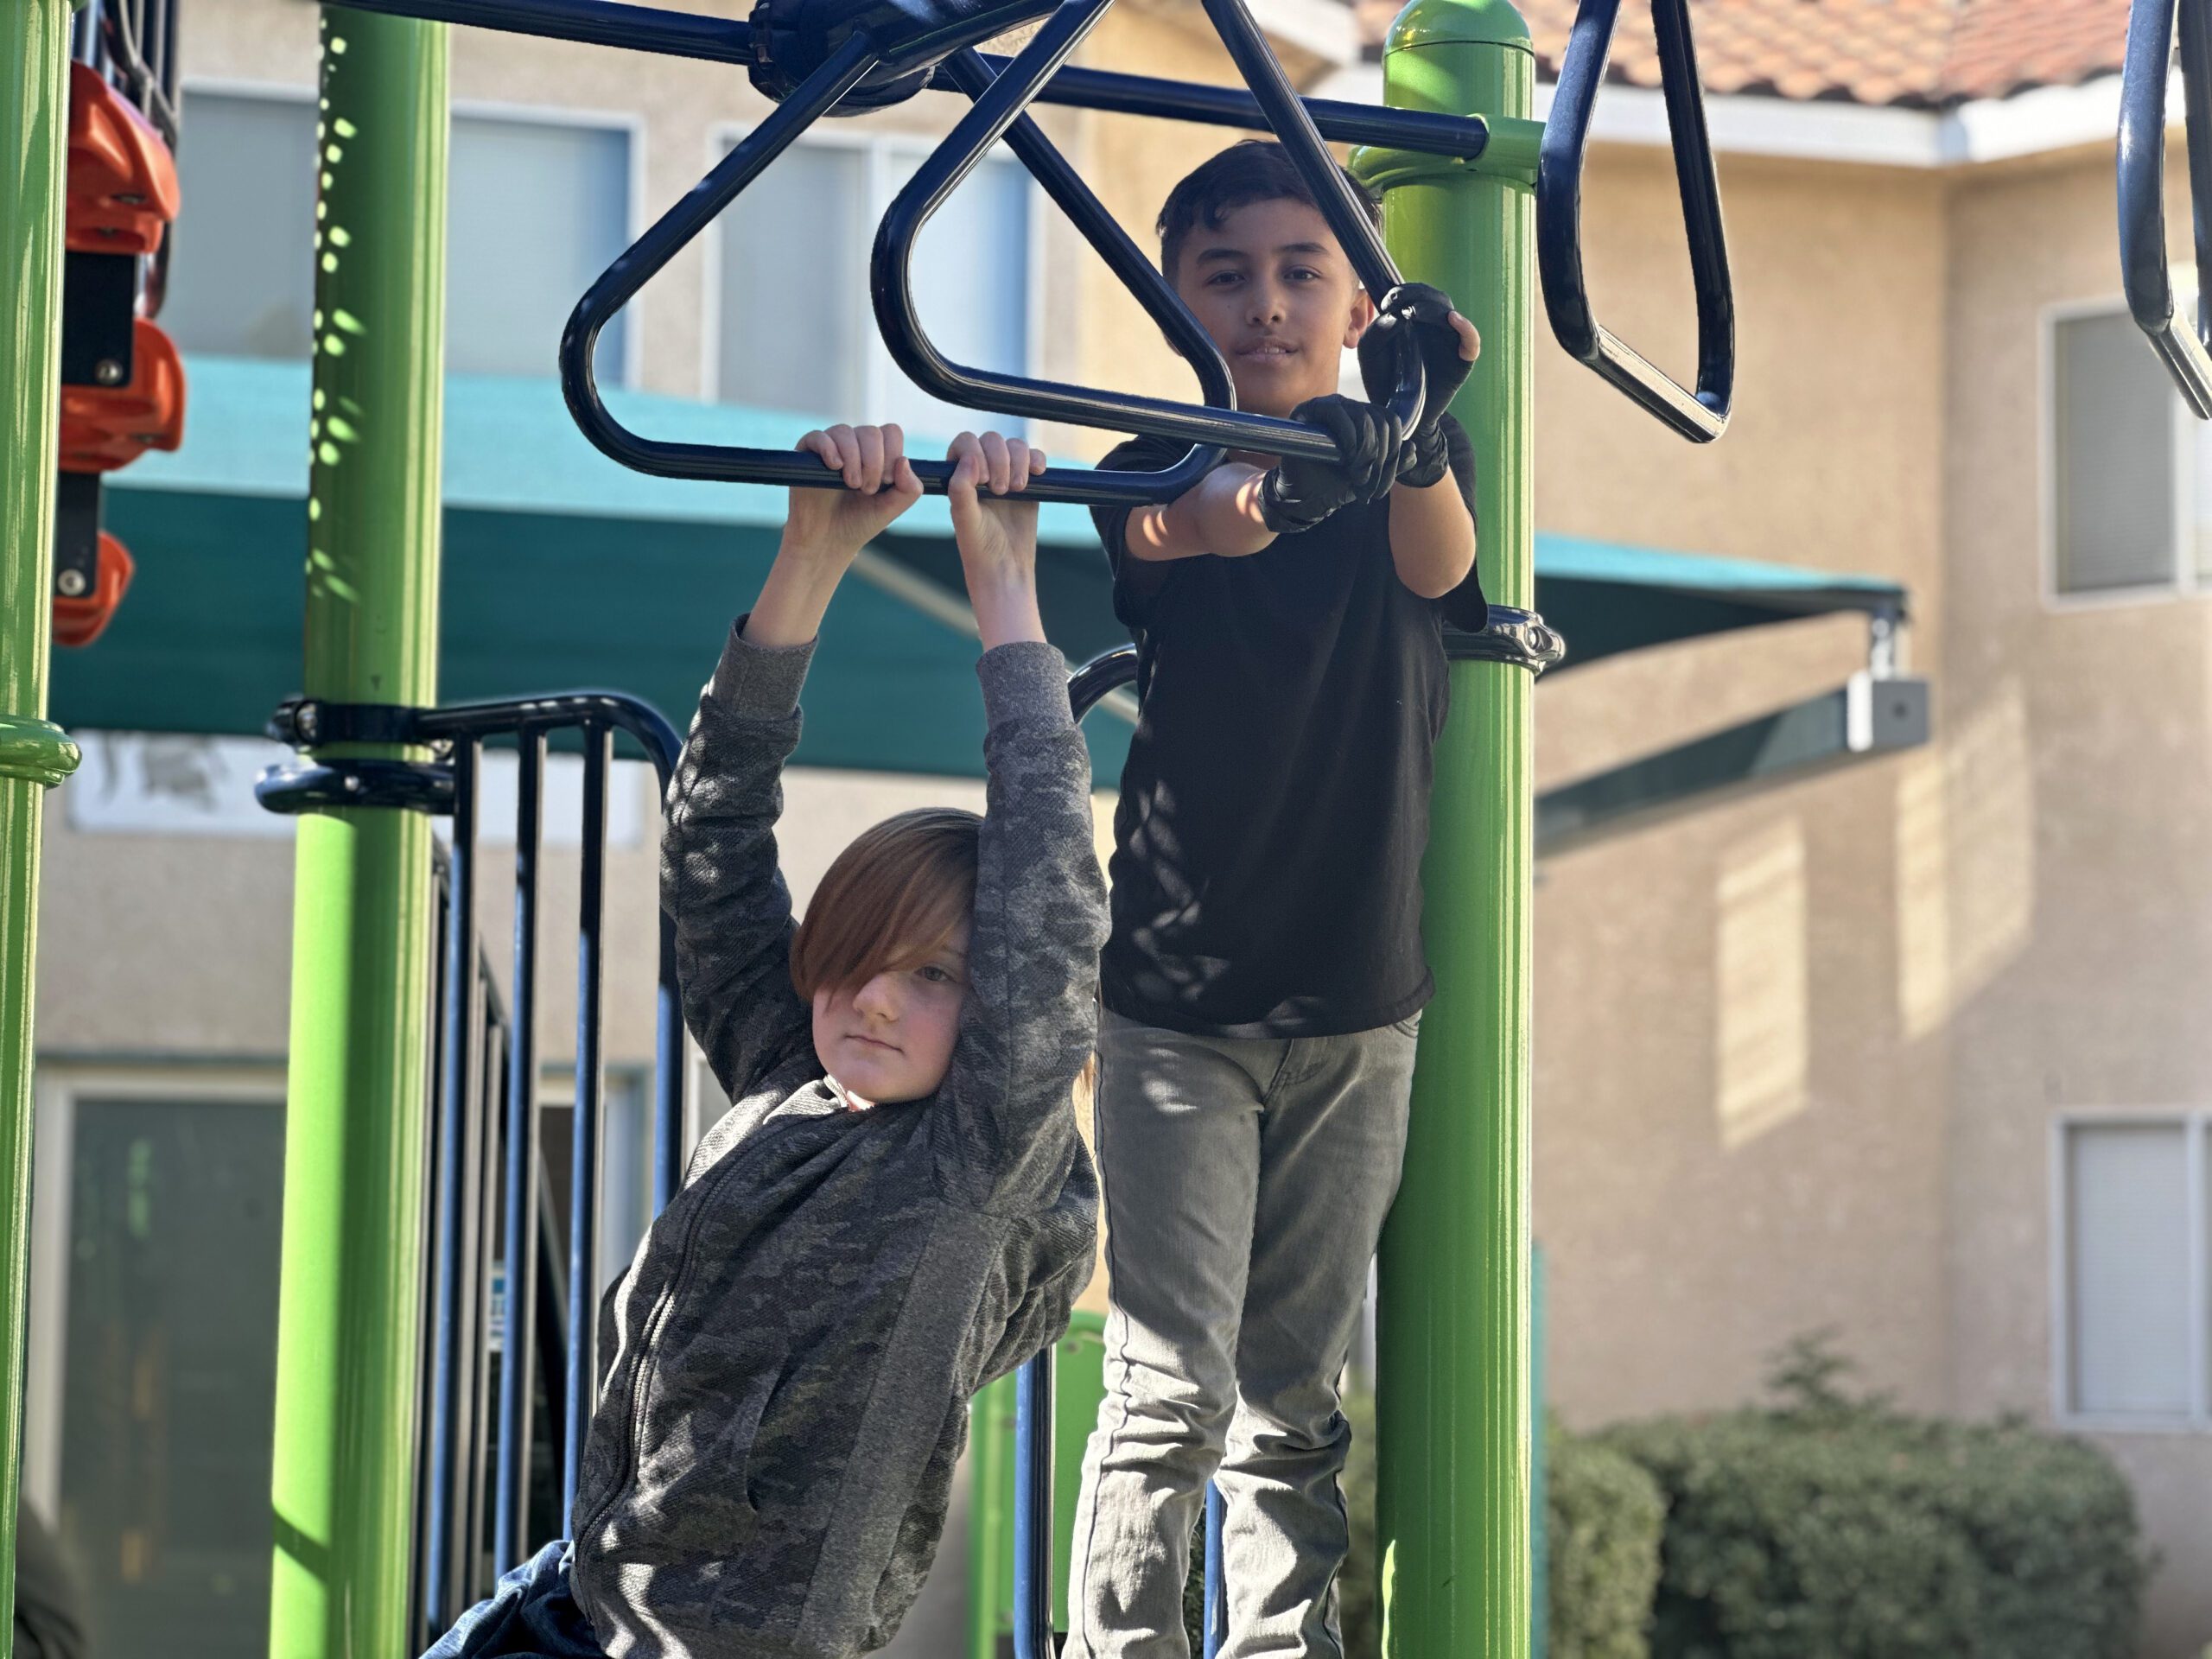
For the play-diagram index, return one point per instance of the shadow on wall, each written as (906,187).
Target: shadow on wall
(1964,859)
(1760,1043)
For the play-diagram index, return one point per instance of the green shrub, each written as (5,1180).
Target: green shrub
(1602,1516)
(1834,1528)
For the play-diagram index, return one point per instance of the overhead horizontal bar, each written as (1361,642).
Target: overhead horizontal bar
(1232,106)
(722,39)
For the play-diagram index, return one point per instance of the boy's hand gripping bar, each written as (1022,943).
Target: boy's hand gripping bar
(2142,167)
(825,56)
(1701,416)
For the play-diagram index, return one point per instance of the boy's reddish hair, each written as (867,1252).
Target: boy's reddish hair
(889,900)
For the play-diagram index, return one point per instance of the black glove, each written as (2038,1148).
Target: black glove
(1415,312)
(1297,494)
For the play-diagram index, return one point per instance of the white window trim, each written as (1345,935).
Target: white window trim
(2184,582)
(57,1086)
(2197,1128)
(544,115)
(880,147)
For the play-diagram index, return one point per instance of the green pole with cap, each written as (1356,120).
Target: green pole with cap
(1453,1365)
(349,1324)
(34,754)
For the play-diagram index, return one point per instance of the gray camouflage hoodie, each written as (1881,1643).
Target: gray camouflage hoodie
(793,1349)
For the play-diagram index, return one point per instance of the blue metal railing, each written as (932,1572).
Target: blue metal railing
(485,1162)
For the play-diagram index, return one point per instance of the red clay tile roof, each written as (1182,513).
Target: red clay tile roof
(1918,54)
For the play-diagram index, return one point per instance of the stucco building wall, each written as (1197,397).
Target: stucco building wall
(2083,934)
(1735,1142)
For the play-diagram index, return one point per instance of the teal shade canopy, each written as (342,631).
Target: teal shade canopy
(563,571)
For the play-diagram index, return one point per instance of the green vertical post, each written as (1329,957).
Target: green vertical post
(34,755)
(349,1320)
(1454,1405)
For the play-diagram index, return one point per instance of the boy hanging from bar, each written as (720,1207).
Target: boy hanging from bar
(1264,979)
(897,1209)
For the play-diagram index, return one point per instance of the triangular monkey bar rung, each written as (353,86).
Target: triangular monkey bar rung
(821,57)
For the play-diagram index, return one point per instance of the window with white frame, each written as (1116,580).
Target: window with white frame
(148,1441)
(242,268)
(2131,1271)
(795,327)
(537,207)
(2130,500)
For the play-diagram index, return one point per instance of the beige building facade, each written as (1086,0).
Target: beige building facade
(1878,1052)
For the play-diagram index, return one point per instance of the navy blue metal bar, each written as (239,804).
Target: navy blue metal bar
(999,105)
(1701,416)
(589,23)
(715,40)
(169,56)
(793,38)
(584,1185)
(1108,672)
(486,1124)
(612,710)
(1033,1508)
(1216,1597)
(1333,191)
(668,1073)
(1466,137)
(1287,119)
(2142,170)
(970,72)
(449,1308)
(433,1071)
(731,463)
(519,1179)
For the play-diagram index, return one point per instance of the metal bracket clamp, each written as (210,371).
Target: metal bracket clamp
(309,722)
(1520,637)
(306,785)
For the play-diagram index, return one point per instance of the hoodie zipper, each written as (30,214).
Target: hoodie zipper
(650,1331)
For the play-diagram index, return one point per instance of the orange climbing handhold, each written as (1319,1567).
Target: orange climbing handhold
(123,185)
(106,427)
(80,618)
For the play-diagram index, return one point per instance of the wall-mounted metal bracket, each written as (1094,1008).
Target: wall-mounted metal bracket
(1867,716)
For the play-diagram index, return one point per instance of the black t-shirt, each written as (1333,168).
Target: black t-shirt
(1274,806)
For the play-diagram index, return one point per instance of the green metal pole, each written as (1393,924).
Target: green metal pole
(349,1322)
(1453,1364)
(34,755)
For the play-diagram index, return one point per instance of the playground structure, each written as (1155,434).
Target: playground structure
(1491,520)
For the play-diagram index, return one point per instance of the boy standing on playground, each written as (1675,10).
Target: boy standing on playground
(1265,977)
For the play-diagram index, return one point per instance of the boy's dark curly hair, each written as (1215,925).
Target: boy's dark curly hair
(1257,169)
